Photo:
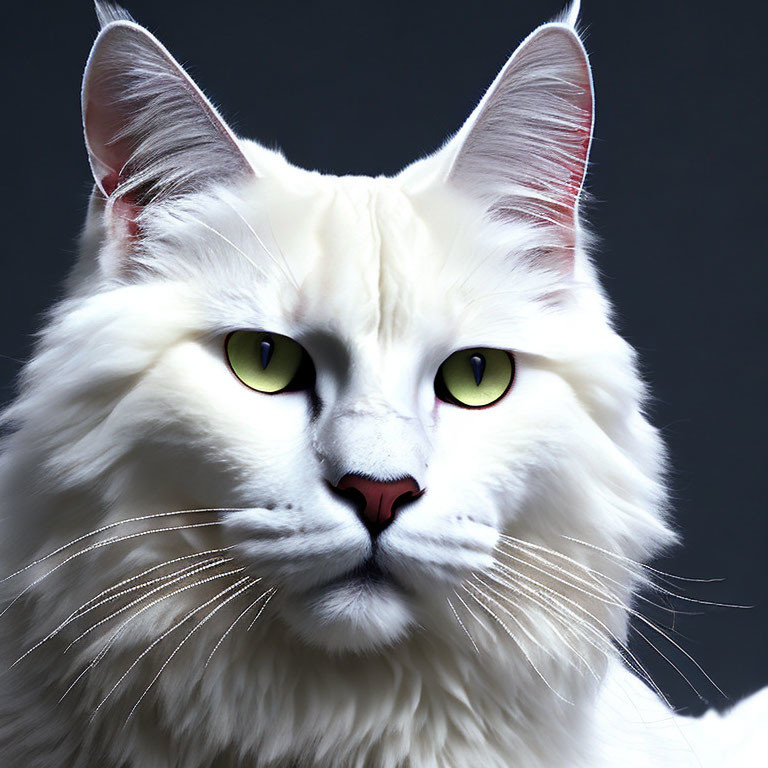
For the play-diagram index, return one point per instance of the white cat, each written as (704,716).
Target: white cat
(334,471)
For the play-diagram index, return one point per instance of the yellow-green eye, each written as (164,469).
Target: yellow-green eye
(268,362)
(475,377)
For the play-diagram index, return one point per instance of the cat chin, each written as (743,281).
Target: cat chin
(353,617)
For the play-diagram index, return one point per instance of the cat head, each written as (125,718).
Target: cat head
(391,391)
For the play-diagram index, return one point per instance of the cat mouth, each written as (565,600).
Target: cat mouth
(367,574)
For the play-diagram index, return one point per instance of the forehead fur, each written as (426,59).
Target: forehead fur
(384,259)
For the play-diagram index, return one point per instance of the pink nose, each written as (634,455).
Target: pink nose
(377,501)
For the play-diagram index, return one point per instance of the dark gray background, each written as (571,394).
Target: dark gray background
(678,180)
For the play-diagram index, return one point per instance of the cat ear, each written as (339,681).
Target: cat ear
(149,130)
(524,149)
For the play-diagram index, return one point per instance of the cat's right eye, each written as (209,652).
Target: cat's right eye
(475,378)
(269,362)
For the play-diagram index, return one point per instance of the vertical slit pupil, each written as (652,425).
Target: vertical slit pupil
(478,367)
(267,348)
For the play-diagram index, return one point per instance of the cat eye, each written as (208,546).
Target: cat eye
(269,362)
(475,378)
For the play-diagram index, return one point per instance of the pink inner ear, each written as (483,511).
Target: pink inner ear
(125,208)
(527,142)
(147,125)
(577,169)
(103,122)
(578,140)
(109,182)
(576,172)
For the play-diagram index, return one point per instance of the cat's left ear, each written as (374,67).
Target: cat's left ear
(150,131)
(524,149)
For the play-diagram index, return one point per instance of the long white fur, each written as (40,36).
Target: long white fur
(501,651)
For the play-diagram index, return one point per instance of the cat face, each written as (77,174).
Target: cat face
(370,493)
(427,280)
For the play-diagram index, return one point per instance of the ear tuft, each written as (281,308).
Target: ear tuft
(570,15)
(107,13)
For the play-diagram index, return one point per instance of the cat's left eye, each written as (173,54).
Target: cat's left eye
(475,378)
(269,362)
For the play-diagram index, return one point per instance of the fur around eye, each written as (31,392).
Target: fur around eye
(268,362)
(476,377)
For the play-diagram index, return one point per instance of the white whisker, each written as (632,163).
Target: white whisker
(125,624)
(189,634)
(261,610)
(514,618)
(463,626)
(79,613)
(142,598)
(551,616)
(623,649)
(609,598)
(593,573)
(165,634)
(232,245)
(472,614)
(146,572)
(673,665)
(101,545)
(286,270)
(515,640)
(232,625)
(110,526)
(632,567)
(634,563)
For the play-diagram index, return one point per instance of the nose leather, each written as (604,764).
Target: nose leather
(378,501)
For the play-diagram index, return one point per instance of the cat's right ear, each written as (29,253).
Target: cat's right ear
(523,152)
(150,131)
